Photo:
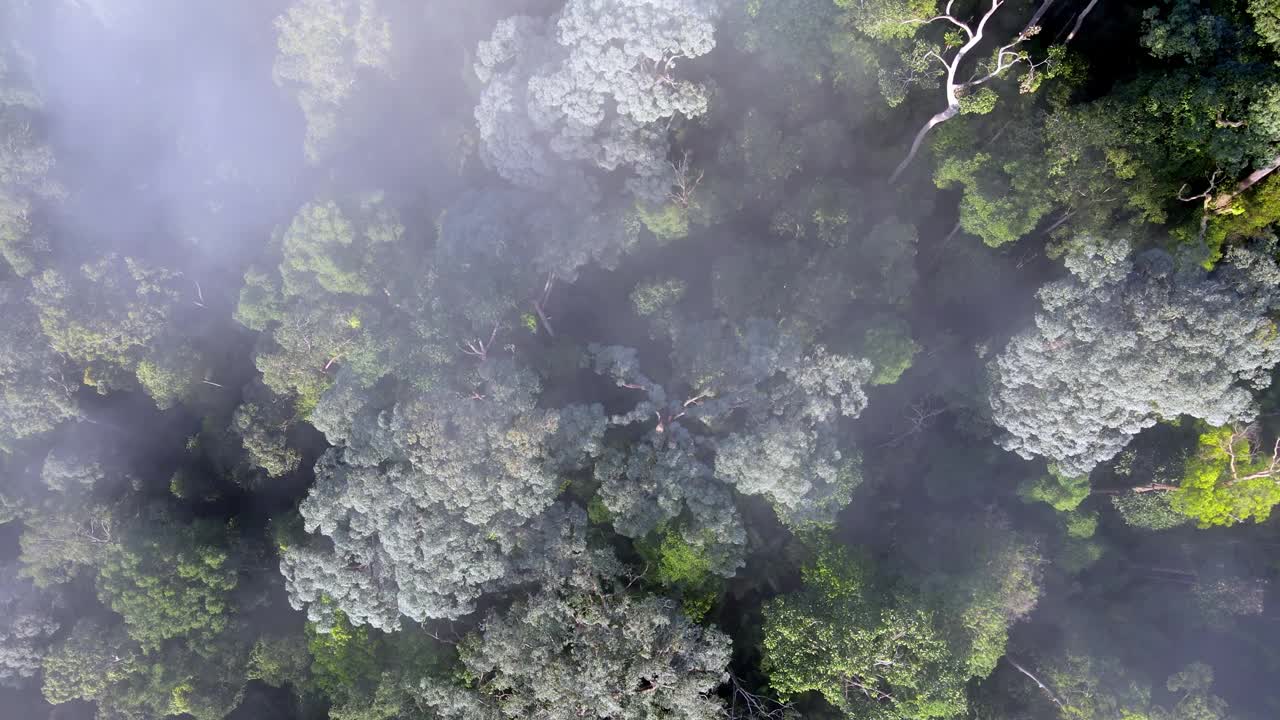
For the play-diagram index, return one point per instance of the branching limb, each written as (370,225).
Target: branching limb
(479,348)
(1005,58)
(746,705)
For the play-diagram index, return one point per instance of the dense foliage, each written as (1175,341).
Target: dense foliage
(639,359)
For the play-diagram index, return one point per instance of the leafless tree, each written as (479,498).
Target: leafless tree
(685,182)
(746,705)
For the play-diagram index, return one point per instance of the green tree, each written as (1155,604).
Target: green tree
(1060,492)
(314,309)
(168,579)
(834,635)
(344,660)
(889,348)
(113,315)
(88,661)
(1227,481)
(262,423)
(36,394)
(324,47)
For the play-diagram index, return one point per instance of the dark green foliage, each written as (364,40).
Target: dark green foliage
(343,660)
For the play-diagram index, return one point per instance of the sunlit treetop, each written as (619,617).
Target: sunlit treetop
(1229,479)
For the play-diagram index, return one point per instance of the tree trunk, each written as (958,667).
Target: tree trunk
(1253,178)
(1036,680)
(934,121)
(1080,19)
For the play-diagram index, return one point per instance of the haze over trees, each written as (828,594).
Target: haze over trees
(632,359)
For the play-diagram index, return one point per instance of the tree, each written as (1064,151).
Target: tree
(1115,351)
(869,656)
(661,479)
(318,310)
(60,540)
(803,472)
(486,503)
(1152,511)
(27,624)
(168,579)
(970,95)
(36,395)
(591,84)
(262,422)
(324,45)
(1080,685)
(1227,480)
(26,185)
(593,650)
(117,317)
(790,395)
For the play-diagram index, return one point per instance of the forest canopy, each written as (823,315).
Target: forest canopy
(639,359)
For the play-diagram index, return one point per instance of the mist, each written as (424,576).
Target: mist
(373,360)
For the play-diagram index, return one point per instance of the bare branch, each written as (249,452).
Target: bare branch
(1036,680)
(1079,20)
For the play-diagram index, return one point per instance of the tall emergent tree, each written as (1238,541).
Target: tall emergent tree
(440,498)
(594,86)
(1123,345)
(588,648)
